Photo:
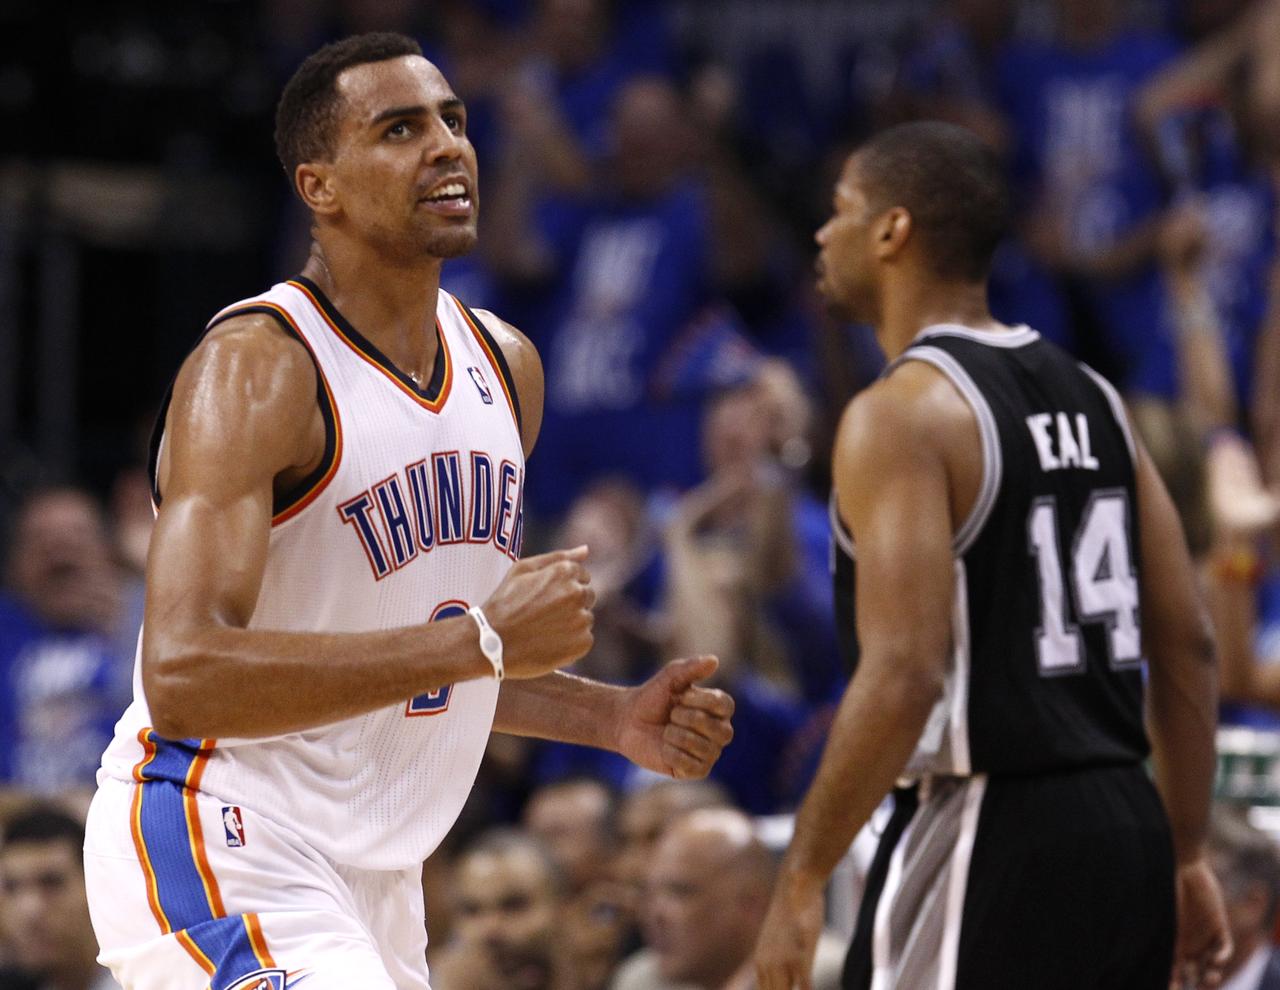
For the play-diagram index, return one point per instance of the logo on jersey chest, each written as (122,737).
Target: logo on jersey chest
(482,386)
(437,501)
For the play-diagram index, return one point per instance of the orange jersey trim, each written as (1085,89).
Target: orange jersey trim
(284,515)
(311,494)
(135,828)
(195,833)
(258,941)
(493,360)
(431,405)
(193,950)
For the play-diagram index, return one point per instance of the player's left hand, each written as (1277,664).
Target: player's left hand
(671,725)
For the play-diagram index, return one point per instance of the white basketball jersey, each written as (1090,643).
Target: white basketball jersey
(414,515)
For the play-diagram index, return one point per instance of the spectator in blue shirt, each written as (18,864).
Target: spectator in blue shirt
(1093,191)
(631,295)
(64,677)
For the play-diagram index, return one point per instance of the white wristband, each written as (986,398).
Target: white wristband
(490,642)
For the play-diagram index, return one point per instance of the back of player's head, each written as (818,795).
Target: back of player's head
(951,183)
(307,114)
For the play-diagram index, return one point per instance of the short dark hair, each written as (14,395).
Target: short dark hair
(41,825)
(951,183)
(308,109)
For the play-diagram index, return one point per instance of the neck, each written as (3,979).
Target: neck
(391,303)
(908,309)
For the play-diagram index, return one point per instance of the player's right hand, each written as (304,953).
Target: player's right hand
(1204,937)
(788,937)
(542,611)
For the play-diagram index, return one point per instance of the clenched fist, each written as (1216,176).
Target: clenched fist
(542,611)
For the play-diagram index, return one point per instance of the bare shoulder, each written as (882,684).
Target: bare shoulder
(255,350)
(526,370)
(245,398)
(912,410)
(518,349)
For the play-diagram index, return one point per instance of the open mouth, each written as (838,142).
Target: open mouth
(450,198)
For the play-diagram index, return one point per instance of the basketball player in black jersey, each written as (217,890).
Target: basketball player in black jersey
(1017,562)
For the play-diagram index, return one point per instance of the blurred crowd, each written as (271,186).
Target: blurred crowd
(651,175)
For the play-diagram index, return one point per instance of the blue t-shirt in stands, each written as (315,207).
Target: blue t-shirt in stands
(1076,148)
(635,278)
(60,697)
(1203,151)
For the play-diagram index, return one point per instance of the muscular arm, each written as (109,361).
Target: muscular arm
(562,707)
(892,489)
(1183,696)
(241,414)
(1182,714)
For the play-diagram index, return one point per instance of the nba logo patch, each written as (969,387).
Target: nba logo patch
(234,828)
(263,979)
(482,386)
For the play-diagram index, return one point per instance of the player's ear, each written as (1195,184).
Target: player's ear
(891,232)
(314,183)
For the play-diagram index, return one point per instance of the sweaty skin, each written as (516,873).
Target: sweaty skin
(244,424)
(906,462)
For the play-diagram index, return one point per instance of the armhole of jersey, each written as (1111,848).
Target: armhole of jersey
(1117,410)
(297,498)
(992,462)
(497,359)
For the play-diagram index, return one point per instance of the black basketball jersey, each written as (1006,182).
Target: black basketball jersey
(1045,668)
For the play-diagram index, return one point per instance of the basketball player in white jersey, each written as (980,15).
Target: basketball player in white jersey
(334,593)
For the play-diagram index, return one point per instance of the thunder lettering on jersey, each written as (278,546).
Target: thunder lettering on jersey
(413,515)
(437,501)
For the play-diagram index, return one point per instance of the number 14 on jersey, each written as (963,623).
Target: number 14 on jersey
(1098,584)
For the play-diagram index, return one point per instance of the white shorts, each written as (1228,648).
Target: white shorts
(187,893)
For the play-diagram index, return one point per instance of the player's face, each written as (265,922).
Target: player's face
(44,912)
(404,171)
(844,266)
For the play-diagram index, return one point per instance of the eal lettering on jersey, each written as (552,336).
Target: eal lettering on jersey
(447,498)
